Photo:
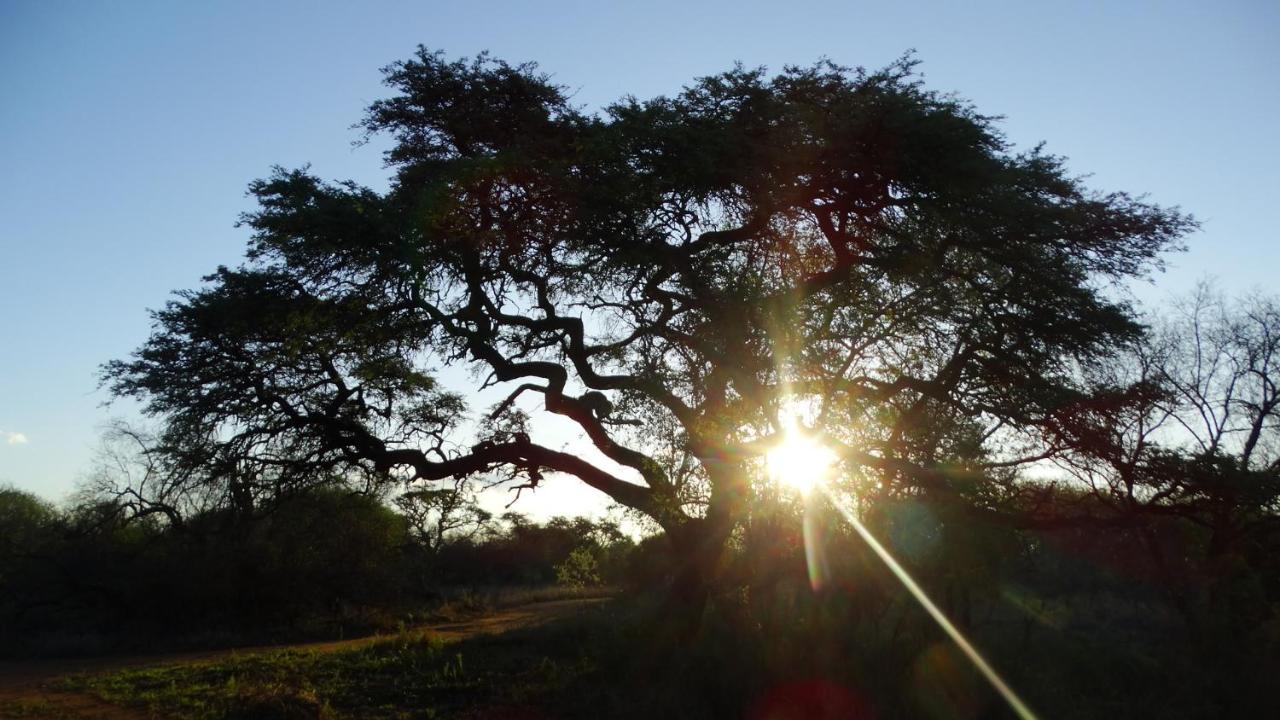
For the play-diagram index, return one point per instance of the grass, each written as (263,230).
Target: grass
(42,709)
(762,656)
(409,675)
(448,604)
(610,661)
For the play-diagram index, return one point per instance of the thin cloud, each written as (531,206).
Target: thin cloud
(14,438)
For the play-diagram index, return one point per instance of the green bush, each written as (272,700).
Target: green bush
(580,569)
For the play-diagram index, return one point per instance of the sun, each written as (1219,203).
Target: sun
(799,462)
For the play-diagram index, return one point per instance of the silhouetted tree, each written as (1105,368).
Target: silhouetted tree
(1197,440)
(1193,430)
(437,514)
(29,532)
(133,475)
(677,276)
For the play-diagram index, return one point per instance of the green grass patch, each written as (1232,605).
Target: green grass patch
(42,709)
(408,675)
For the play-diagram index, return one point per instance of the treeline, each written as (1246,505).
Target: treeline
(324,562)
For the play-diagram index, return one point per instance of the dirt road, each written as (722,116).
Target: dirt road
(24,688)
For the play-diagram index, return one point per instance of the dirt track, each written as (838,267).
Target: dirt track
(26,683)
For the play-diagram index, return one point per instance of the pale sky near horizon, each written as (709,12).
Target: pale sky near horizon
(129,131)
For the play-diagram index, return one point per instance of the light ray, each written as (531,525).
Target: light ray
(805,464)
(1019,707)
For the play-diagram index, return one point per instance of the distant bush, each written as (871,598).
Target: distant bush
(579,569)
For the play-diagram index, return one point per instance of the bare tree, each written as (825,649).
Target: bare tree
(130,472)
(1193,430)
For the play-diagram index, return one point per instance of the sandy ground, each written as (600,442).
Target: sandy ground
(25,683)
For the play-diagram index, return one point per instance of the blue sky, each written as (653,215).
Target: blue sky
(129,130)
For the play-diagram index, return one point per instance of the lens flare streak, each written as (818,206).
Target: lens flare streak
(1016,703)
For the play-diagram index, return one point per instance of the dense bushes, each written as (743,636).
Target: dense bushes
(322,562)
(1082,622)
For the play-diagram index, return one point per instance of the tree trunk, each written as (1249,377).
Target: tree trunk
(697,548)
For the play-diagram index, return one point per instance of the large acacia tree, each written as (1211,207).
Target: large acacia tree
(680,277)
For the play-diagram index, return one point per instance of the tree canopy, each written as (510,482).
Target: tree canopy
(682,277)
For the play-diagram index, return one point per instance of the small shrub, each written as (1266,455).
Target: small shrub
(579,569)
(275,703)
